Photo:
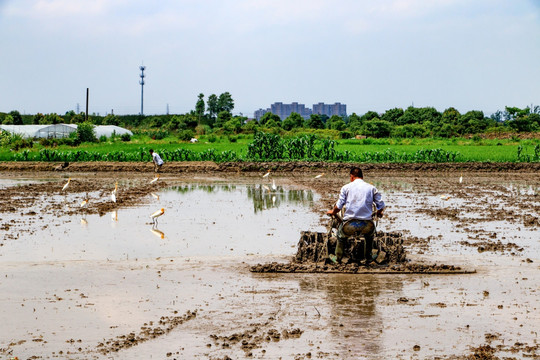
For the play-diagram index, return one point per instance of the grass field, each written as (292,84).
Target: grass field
(467,150)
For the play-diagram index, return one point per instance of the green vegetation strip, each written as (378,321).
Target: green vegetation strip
(272,147)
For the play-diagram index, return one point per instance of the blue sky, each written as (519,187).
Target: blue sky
(370,55)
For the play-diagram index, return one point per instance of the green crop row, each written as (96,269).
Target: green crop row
(272,147)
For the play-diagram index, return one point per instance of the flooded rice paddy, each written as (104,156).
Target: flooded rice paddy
(105,282)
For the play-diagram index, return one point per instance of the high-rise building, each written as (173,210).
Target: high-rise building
(338,109)
(284,110)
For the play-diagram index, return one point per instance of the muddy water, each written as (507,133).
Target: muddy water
(199,220)
(77,291)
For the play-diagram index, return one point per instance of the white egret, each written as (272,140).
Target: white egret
(66,185)
(445,197)
(84,203)
(113,193)
(274,187)
(267,173)
(273,199)
(461,178)
(157,214)
(156,196)
(155,179)
(320,175)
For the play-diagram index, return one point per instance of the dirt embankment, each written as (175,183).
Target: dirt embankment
(278,166)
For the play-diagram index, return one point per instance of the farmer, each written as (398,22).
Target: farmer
(156,159)
(358,197)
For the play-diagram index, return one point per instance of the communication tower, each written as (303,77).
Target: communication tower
(142,68)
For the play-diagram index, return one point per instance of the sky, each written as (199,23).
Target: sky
(367,54)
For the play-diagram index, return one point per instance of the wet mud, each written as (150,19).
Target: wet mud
(482,306)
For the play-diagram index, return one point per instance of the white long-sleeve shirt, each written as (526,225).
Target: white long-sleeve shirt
(156,158)
(358,198)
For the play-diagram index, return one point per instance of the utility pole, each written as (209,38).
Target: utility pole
(87,94)
(142,68)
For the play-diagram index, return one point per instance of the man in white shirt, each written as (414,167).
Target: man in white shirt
(358,198)
(156,159)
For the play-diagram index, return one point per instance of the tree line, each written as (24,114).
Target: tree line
(215,115)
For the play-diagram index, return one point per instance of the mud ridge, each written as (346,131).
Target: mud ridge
(277,166)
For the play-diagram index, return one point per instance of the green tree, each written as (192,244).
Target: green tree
(86,132)
(200,107)
(78,118)
(212,105)
(315,122)
(525,123)
(111,119)
(377,128)
(445,131)
(410,131)
(450,116)
(232,126)
(225,102)
(222,118)
(8,120)
(269,117)
(336,123)
(392,115)
(16,116)
(355,123)
(370,115)
(472,122)
(38,118)
(293,121)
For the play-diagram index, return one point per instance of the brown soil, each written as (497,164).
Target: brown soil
(472,209)
(278,166)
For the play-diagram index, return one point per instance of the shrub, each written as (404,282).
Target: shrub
(186,135)
(86,133)
(125,137)
(212,138)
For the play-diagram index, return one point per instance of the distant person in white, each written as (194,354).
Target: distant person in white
(358,198)
(156,159)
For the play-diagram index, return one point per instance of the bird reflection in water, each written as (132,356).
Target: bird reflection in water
(157,232)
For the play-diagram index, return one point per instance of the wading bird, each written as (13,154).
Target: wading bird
(445,197)
(155,179)
(113,193)
(267,173)
(461,178)
(157,214)
(66,185)
(156,196)
(274,187)
(84,203)
(320,175)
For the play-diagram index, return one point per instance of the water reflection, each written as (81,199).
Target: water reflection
(160,234)
(354,321)
(262,196)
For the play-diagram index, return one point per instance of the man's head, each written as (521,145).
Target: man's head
(151,151)
(356,173)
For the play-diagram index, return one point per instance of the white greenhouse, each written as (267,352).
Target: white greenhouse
(109,130)
(58,131)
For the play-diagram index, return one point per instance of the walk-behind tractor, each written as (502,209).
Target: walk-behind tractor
(318,247)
